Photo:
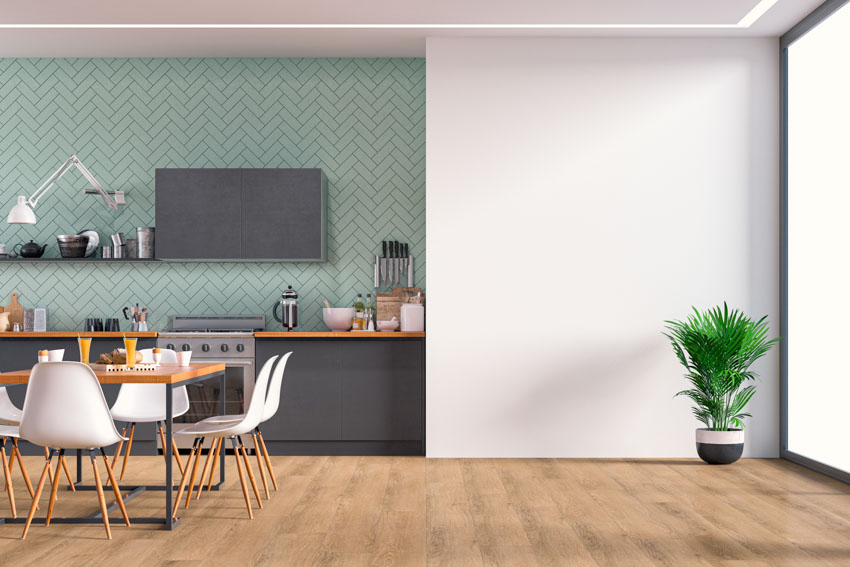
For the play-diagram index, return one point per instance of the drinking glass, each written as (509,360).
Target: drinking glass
(85,347)
(130,347)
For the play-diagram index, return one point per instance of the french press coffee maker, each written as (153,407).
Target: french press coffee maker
(288,308)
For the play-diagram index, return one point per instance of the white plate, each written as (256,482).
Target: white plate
(94,241)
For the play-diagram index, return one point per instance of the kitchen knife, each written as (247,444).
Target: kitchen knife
(384,263)
(377,264)
(398,261)
(406,255)
(390,264)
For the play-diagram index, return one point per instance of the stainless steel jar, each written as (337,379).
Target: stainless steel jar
(145,236)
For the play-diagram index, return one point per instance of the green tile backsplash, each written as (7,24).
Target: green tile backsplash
(361,120)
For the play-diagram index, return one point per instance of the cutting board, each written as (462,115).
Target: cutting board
(17,312)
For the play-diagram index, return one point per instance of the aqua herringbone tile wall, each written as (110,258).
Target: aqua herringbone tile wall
(361,120)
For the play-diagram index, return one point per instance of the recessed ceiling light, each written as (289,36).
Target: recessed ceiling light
(748,20)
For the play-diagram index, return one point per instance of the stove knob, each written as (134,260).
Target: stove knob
(169,346)
(205,348)
(224,348)
(186,347)
(240,347)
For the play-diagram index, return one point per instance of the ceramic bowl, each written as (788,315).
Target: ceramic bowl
(338,318)
(387,325)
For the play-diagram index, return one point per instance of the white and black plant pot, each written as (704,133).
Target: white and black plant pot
(720,447)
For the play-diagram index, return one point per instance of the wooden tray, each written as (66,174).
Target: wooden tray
(140,367)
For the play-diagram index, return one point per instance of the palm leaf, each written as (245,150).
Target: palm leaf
(717,347)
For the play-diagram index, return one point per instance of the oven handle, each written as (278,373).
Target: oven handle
(236,362)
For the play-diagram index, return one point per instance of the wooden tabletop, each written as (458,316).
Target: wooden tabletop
(335,335)
(164,374)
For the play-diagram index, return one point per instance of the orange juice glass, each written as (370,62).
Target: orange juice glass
(130,347)
(85,347)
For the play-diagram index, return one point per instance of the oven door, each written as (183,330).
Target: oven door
(205,397)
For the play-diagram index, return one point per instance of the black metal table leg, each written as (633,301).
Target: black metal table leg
(169,422)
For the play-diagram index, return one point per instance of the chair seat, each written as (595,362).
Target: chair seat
(202,429)
(223,418)
(143,417)
(9,431)
(11,418)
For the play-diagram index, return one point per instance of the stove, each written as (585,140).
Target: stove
(216,338)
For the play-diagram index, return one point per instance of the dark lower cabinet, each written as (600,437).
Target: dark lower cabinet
(348,396)
(16,354)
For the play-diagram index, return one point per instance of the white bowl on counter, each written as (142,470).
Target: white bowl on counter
(338,318)
(388,325)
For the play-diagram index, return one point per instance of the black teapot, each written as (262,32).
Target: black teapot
(30,249)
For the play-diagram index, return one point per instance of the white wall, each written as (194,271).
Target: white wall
(579,193)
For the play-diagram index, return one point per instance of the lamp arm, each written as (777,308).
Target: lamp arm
(94,183)
(57,175)
(51,181)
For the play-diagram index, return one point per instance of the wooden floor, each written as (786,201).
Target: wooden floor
(413,511)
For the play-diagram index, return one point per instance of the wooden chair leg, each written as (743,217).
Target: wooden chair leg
(194,471)
(67,473)
(242,478)
(115,489)
(44,474)
(184,478)
(260,465)
(17,452)
(8,474)
(176,452)
(210,453)
(250,472)
(161,439)
(127,453)
(12,455)
(215,462)
(100,496)
(267,459)
(117,454)
(50,472)
(54,489)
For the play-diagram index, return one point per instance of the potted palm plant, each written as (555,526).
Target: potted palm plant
(717,348)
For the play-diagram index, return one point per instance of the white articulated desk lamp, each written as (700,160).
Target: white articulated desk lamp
(22,212)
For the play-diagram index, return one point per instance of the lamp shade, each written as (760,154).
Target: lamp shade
(21,213)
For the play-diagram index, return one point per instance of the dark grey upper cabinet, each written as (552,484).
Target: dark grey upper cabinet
(197,213)
(284,214)
(248,214)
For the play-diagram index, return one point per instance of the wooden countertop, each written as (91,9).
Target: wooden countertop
(259,335)
(74,334)
(336,335)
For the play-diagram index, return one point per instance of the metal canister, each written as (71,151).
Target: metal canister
(145,236)
(107,251)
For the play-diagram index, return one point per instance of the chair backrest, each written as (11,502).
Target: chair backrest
(65,408)
(9,413)
(149,399)
(273,395)
(258,397)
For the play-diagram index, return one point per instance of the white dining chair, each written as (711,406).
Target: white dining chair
(11,415)
(145,403)
(232,430)
(65,409)
(270,407)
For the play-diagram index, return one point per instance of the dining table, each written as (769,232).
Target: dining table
(169,375)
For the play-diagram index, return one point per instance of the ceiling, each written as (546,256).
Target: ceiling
(350,28)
